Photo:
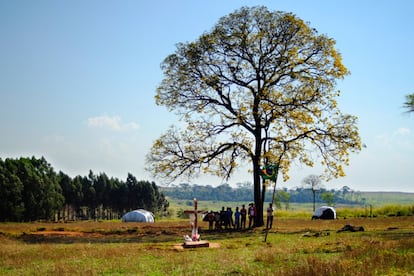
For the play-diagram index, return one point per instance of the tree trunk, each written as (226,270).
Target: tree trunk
(258,201)
(314,192)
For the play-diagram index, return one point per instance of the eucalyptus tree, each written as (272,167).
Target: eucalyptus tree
(42,194)
(257,89)
(11,204)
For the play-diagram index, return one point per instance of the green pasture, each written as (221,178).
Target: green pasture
(301,210)
(293,247)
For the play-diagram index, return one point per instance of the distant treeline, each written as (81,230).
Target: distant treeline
(244,193)
(31,190)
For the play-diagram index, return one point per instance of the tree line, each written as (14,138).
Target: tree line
(243,193)
(32,190)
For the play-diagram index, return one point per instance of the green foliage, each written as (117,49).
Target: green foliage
(31,190)
(11,204)
(30,186)
(258,88)
(329,198)
(222,192)
(243,193)
(181,214)
(409,103)
(282,196)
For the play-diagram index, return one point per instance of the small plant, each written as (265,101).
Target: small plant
(180,213)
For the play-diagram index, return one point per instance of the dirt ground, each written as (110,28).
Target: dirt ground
(174,231)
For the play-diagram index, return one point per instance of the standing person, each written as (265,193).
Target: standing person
(229,219)
(252,215)
(237,218)
(217,221)
(222,217)
(269,216)
(243,215)
(211,220)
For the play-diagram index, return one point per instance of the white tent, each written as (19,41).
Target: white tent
(139,215)
(324,212)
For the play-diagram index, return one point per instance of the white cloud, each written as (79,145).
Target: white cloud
(401,137)
(112,123)
(403,131)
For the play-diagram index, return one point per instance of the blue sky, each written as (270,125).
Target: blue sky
(78,79)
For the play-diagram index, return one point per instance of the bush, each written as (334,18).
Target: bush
(180,213)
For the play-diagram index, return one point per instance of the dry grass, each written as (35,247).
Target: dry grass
(113,248)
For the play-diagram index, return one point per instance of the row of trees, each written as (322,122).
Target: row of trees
(243,192)
(32,190)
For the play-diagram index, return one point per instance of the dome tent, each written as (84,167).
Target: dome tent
(139,215)
(324,212)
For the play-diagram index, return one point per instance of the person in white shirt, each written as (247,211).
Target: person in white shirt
(269,221)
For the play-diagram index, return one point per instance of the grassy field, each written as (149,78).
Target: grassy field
(381,198)
(304,210)
(295,246)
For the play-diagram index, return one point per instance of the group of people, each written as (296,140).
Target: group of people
(227,219)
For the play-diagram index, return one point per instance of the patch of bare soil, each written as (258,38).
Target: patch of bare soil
(124,233)
(59,237)
(59,233)
(164,231)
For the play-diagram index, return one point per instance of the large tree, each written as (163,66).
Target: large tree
(11,204)
(257,88)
